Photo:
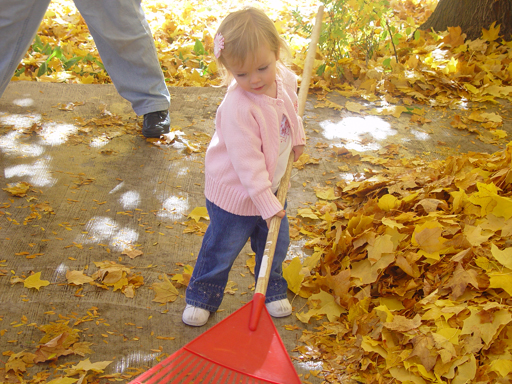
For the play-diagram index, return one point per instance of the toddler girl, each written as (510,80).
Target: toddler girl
(256,128)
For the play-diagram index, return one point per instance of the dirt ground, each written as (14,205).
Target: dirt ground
(97,188)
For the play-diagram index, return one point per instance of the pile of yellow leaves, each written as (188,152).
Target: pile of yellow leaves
(440,70)
(412,266)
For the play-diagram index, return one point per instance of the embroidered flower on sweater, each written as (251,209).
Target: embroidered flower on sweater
(218,44)
(285,129)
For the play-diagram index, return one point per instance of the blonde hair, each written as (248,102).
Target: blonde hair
(244,31)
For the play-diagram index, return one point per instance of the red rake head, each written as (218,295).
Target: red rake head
(229,353)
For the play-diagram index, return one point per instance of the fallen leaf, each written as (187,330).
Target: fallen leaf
(132,253)
(19,189)
(78,277)
(165,291)
(34,281)
(198,213)
(403,324)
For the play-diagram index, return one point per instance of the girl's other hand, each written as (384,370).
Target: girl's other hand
(297,150)
(279,214)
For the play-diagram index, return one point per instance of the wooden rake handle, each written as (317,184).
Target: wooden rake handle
(275,223)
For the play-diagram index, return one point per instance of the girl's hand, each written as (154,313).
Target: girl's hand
(279,214)
(298,150)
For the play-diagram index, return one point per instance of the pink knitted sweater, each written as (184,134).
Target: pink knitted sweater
(242,156)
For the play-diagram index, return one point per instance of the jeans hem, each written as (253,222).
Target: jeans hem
(270,299)
(201,305)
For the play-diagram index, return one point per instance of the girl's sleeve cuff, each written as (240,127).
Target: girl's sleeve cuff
(267,204)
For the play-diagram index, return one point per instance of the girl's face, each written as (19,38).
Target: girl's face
(258,74)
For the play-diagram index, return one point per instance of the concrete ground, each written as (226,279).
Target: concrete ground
(97,188)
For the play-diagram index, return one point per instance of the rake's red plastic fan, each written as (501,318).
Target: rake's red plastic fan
(229,353)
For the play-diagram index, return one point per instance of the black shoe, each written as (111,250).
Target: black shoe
(156,124)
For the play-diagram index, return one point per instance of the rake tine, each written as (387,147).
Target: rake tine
(198,373)
(223,375)
(182,374)
(215,369)
(174,367)
(234,379)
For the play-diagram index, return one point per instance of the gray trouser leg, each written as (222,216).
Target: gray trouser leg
(127,50)
(19,21)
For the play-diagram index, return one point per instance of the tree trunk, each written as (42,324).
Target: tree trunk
(471,16)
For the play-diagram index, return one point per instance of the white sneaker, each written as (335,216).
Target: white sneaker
(279,308)
(195,316)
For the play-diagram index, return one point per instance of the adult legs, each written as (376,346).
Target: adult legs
(127,49)
(19,21)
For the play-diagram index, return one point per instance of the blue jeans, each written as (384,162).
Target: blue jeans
(225,237)
(121,34)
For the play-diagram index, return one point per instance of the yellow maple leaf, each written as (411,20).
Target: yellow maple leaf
(359,309)
(340,284)
(466,372)
(492,33)
(86,365)
(132,253)
(121,283)
(307,212)
(392,223)
(19,189)
(499,133)
(383,244)
(364,272)
(231,287)
(388,202)
(475,235)
(501,365)
(428,237)
(493,117)
(395,111)
(488,199)
(487,331)
(391,303)
(63,380)
(354,107)
(451,66)
(305,159)
(198,213)
(500,280)
(460,280)
(370,345)
(78,277)
(321,304)
(403,324)
(404,376)
(251,262)
(460,199)
(504,257)
(359,224)
(34,281)
(165,291)
(455,37)
(184,278)
(293,276)
(325,193)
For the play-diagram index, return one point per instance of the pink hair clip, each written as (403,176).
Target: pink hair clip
(218,44)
